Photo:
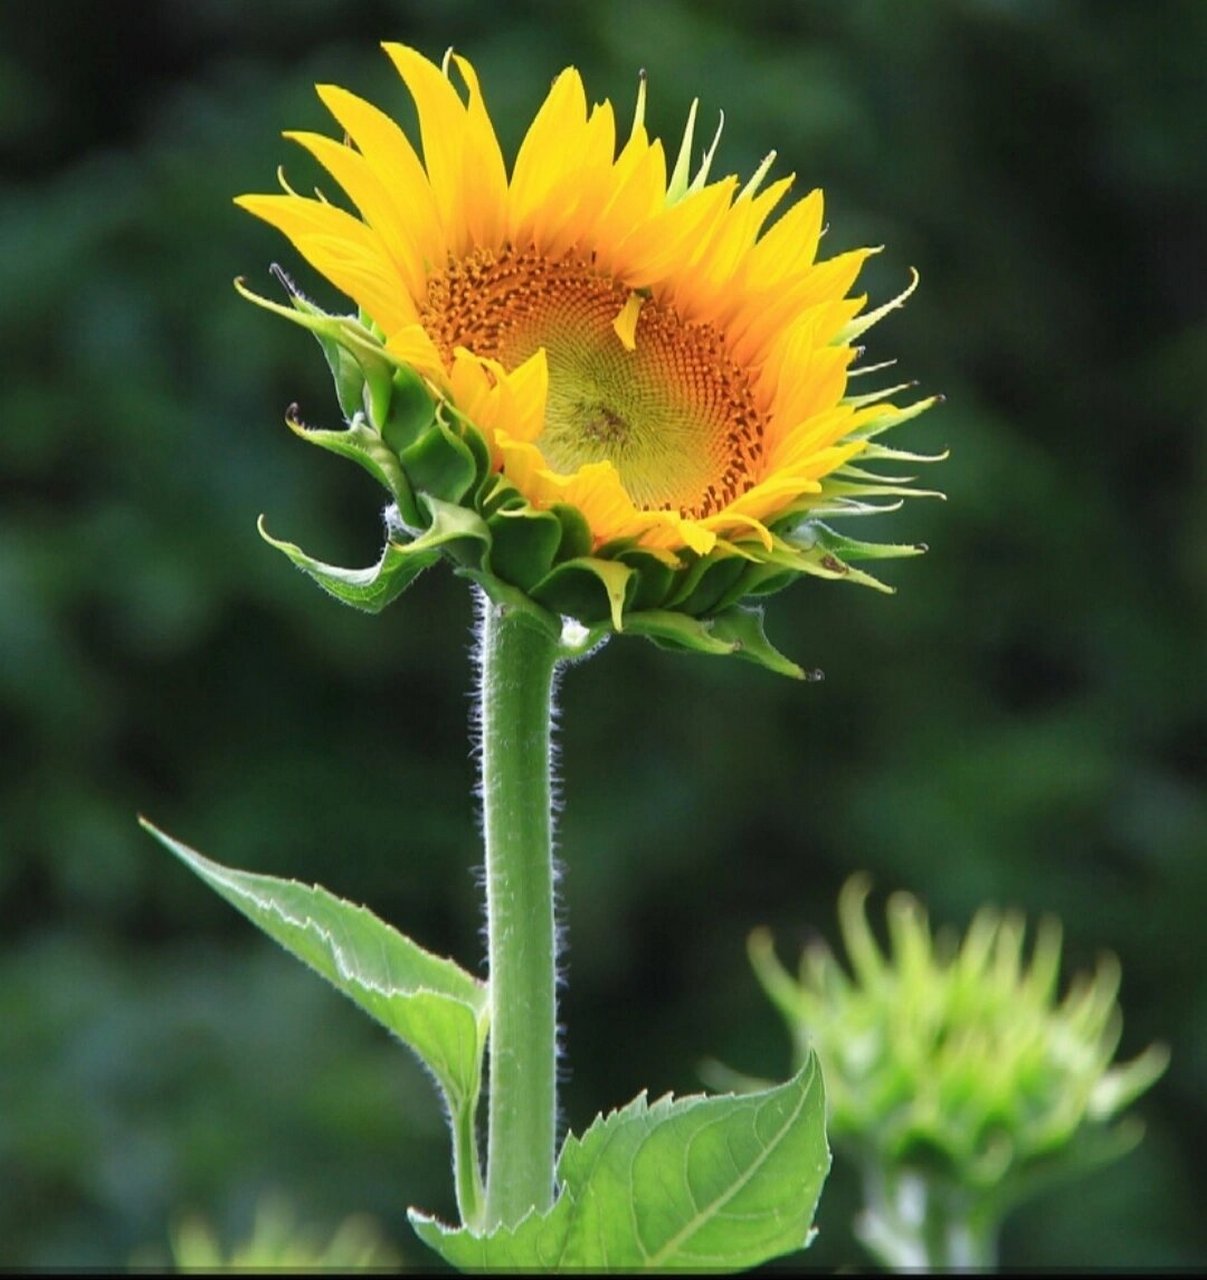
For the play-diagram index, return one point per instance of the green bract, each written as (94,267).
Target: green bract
(448,501)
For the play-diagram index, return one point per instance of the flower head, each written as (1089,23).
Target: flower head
(635,385)
(957,1062)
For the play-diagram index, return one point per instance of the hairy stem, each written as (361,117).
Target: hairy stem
(517,667)
(915,1223)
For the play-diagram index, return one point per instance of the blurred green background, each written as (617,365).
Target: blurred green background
(1023,723)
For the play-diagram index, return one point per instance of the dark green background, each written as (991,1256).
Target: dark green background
(1022,723)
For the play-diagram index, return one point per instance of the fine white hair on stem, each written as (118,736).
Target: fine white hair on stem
(482,605)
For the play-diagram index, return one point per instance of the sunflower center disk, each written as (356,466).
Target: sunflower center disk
(675,416)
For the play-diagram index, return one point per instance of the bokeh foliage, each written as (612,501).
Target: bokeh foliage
(1023,723)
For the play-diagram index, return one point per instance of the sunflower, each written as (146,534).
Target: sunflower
(621,377)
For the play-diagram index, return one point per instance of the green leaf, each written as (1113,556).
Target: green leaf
(699,1184)
(538,1243)
(431,1004)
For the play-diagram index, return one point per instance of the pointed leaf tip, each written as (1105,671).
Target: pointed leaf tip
(431,1004)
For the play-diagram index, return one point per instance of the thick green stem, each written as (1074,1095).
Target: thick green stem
(515,703)
(912,1222)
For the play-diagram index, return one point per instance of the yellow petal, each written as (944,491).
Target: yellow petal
(483,167)
(350,254)
(388,151)
(361,182)
(788,247)
(412,346)
(638,192)
(464,163)
(625,323)
(652,251)
(528,384)
(548,149)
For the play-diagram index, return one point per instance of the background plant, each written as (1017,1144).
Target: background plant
(277,1242)
(964,1073)
(1022,723)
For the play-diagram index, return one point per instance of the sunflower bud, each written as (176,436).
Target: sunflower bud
(956,1078)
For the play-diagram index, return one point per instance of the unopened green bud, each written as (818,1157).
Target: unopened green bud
(952,1066)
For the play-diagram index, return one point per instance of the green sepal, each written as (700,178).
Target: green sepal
(523,545)
(375,366)
(654,579)
(612,549)
(758,578)
(671,630)
(475,442)
(370,589)
(766,585)
(431,1004)
(587,589)
(849,482)
(819,561)
(707,582)
(366,448)
(346,372)
(440,463)
(742,628)
(894,417)
(452,528)
(576,532)
(882,452)
(410,413)
(497,494)
(814,532)
(340,337)
(737,631)
(457,530)
(705,1184)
